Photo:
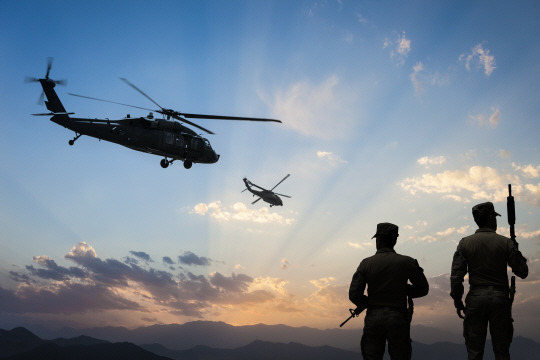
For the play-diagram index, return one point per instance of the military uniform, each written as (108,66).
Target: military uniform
(485,256)
(386,274)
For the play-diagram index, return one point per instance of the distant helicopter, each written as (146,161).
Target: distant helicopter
(162,137)
(267,195)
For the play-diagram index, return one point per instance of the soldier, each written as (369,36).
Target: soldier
(386,274)
(485,255)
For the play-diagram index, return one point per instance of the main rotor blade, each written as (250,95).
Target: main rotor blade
(142,92)
(287,196)
(112,102)
(187,122)
(282,180)
(221,117)
(256,201)
(257,186)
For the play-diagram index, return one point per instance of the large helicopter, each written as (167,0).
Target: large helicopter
(268,196)
(164,137)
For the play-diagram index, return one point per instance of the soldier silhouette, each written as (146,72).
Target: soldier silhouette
(485,256)
(386,275)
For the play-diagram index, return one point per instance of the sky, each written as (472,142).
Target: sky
(407,112)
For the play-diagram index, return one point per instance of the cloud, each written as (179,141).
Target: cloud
(453,230)
(331,158)
(481,182)
(316,110)
(529,171)
(190,258)
(399,48)
(431,160)
(141,255)
(479,58)
(240,212)
(167,260)
(420,78)
(488,121)
(478,183)
(96,285)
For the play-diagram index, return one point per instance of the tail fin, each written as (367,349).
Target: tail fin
(53,103)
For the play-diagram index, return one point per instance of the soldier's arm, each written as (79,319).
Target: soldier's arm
(459,270)
(420,286)
(517,262)
(358,285)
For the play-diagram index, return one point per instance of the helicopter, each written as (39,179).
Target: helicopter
(267,195)
(167,137)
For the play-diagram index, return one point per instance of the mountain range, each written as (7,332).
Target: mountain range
(223,335)
(20,343)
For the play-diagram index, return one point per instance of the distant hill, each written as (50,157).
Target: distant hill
(22,344)
(225,336)
(522,349)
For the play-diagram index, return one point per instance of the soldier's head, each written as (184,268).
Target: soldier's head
(386,235)
(485,216)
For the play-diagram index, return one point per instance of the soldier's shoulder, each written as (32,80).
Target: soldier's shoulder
(406,258)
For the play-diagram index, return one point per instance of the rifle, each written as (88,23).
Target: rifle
(354,313)
(511,210)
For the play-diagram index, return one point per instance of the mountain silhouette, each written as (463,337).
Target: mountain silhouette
(225,336)
(21,344)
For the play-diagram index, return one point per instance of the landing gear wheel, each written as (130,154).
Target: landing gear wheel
(188,164)
(164,163)
(72,141)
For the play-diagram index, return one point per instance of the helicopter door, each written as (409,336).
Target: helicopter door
(169,138)
(179,141)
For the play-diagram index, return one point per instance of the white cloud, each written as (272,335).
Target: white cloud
(399,48)
(239,212)
(479,57)
(529,171)
(431,160)
(529,234)
(331,158)
(482,182)
(319,110)
(453,230)
(420,78)
(489,121)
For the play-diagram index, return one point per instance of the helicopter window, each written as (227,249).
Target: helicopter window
(169,138)
(179,141)
(196,143)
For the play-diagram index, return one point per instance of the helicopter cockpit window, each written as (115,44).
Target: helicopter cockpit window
(196,143)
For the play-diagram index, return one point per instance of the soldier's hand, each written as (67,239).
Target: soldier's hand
(459,304)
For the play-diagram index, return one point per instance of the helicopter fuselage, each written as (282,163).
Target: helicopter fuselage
(162,137)
(166,138)
(266,195)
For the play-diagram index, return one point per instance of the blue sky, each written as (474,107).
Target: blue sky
(408,112)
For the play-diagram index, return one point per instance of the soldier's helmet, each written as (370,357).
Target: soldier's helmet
(386,229)
(484,209)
